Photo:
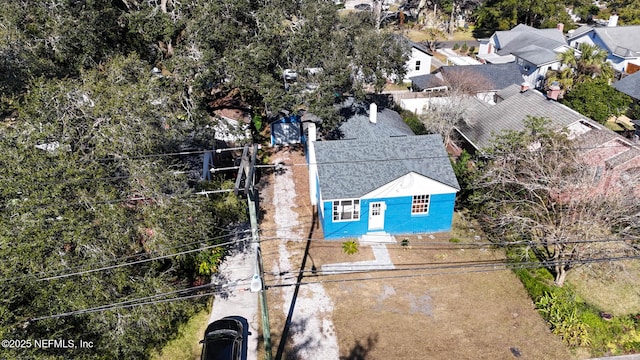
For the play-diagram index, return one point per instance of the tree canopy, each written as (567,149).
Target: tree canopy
(536,191)
(496,15)
(598,100)
(98,198)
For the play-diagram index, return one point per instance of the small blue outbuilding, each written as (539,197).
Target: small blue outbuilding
(382,178)
(287,131)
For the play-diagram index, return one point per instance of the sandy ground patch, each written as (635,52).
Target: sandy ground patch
(311,334)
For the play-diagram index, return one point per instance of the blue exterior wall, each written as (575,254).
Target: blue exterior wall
(397,217)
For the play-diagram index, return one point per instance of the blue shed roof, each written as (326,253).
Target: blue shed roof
(287,130)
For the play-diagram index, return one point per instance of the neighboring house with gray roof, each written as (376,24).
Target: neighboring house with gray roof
(482,81)
(612,157)
(534,50)
(382,181)
(485,121)
(488,77)
(427,82)
(388,123)
(622,44)
(629,85)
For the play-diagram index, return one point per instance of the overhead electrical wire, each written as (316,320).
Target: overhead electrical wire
(199,152)
(115,266)
(111,267)
(485,243)
(462,270)
(504,264)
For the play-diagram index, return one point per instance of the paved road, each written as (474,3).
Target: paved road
(237,300)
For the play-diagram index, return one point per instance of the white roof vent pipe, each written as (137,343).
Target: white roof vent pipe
(373,113)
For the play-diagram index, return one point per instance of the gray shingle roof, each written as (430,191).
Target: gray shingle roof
(630,85)
(483,124)
(427,81)
(420,47)
(596,137)
(389,123)
(522,36)
(621,40)
(579,31)
(353,168)
(499,76)
(536,55)
(508,92)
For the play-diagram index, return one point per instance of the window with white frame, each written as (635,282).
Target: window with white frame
(420,204)
(417,65)
(346,210)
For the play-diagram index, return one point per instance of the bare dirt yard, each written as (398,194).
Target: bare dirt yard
(433,305)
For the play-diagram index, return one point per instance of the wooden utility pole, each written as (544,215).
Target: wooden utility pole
(247,169)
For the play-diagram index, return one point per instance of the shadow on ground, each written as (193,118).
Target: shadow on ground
(287,325)
(360,351)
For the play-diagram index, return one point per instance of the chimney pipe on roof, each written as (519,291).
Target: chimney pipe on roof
(554,91)
(373,113)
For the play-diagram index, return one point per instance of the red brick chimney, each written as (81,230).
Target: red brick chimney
(554,91)
(560,27)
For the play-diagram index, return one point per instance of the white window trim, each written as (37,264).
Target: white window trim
(427,207)
(355,208)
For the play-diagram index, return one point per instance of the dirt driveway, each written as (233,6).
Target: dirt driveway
(426,311)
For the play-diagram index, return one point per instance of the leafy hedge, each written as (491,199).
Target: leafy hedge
(414,122)
(578,323)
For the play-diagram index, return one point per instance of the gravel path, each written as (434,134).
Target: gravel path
(312,334)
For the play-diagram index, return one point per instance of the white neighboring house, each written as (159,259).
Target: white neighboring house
(534,50)
(622,43)
(419,62)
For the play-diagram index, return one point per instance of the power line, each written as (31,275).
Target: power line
(141,301)
(87,204)
(506,266)
(136,262)
(197,152)
(507,263)
(88,271)
(281,164)
(24,276)
(453,244)
(125,306)
(463,270)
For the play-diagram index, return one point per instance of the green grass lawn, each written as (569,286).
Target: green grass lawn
(187,345)
(613,288)
(461,35)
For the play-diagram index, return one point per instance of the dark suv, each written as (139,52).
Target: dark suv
(223,340)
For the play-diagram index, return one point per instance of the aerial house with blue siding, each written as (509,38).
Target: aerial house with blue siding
(397,184)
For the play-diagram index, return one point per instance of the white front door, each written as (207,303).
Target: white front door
(376,215)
